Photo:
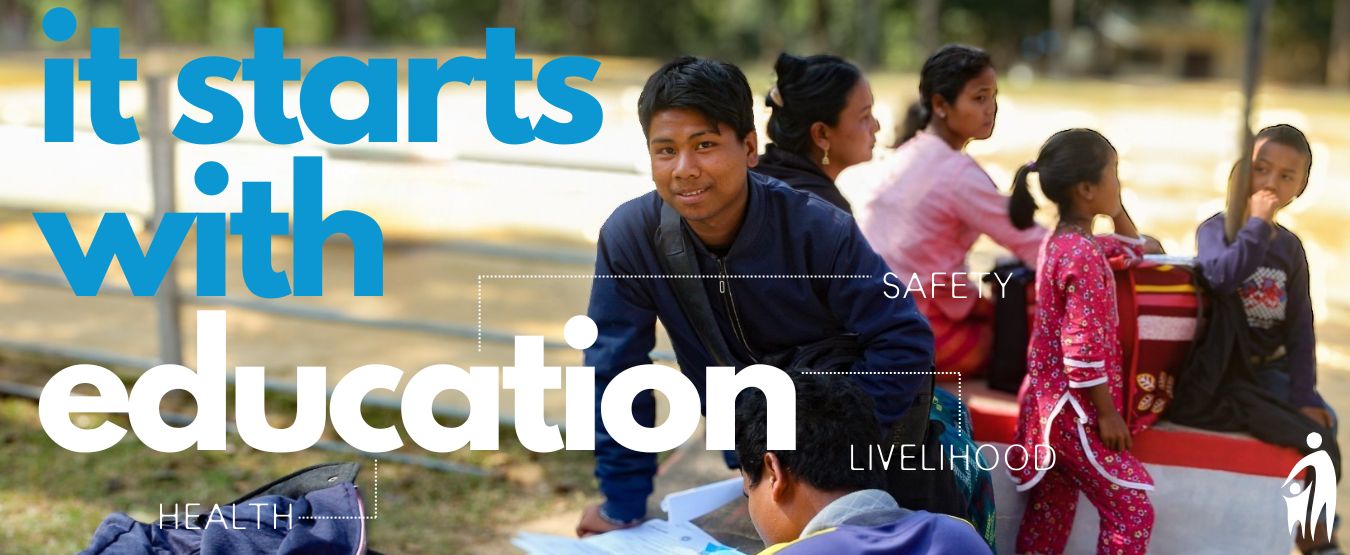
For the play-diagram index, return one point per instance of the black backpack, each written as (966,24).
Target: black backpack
(1012,335)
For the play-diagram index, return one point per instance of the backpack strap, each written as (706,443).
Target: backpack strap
(912,427)
(678,259)
(297,484)
(303,481)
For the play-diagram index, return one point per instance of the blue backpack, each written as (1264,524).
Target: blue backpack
(315,510)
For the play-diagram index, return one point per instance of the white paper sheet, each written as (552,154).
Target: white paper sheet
(653,536)
(687,505)
(542,544)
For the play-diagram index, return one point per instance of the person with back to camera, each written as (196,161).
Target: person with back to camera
(815,500)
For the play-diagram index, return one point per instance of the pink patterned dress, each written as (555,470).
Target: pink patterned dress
(1075,345)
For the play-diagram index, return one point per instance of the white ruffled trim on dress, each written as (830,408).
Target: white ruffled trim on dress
(1089,383)
(1075,363)
(1067,397)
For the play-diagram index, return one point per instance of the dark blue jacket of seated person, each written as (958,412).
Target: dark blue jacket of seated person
(787,234)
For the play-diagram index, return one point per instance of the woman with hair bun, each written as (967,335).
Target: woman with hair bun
(934,201)
(821,122)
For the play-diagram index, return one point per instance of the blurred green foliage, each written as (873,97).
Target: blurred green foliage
(878,33)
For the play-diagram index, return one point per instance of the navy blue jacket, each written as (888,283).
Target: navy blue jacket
(787,234)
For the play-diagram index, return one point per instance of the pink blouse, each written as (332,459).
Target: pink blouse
(931,205)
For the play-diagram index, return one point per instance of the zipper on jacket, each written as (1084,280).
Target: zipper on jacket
(730,302)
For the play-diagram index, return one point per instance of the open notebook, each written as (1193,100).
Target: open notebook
(676,534)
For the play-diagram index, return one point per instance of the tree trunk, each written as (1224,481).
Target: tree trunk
(869,33)
(581,15)
(510,12)
(271,14)
(14,24)
(821,34)
(1338,55)
(771,40)
(1061,22)
(929,18)
(351,25)
(143,22)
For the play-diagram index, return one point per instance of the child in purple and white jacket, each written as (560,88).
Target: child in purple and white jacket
(1267,267)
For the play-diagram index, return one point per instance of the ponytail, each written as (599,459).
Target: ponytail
(1021,205)
(916,118)
(1067,158)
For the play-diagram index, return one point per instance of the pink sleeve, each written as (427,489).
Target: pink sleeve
(1115,245)
(1087,307)
(982,207)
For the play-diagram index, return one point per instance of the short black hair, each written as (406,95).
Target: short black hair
(715,89)
(947,71)
(810,89)
(834,417)
(1290,136)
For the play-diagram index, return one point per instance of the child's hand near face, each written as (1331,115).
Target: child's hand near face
(1263,204)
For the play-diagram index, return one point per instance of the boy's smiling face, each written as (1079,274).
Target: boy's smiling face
(700,168)
(1280,169)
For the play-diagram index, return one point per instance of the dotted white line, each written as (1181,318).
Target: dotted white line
(480,313)
(673,276)
(960,402)
(960,396)
(345,517)
(871,372)
(482,277)
(960,407)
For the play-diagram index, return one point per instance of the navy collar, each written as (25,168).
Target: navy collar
(756,205)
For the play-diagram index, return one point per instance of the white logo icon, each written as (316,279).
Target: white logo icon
(1316,501)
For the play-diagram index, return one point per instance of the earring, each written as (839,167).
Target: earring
(942,115)
(825,160)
